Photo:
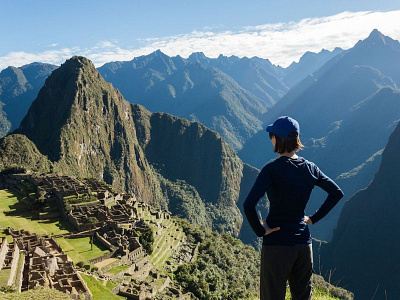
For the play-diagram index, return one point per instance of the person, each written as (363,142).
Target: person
(288,181)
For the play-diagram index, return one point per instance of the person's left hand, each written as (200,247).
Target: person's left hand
(267,229)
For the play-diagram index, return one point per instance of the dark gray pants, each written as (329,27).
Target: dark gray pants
(281,263)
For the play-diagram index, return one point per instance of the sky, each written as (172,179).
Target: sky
(104,31)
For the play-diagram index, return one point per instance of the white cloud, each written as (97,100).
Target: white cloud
(282,43)
(53,45)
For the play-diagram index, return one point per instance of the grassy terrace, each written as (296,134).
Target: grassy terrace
(98,290)
(9,216)
(162,243)
(118,269)
(79,249)
(42,294)
(4,276)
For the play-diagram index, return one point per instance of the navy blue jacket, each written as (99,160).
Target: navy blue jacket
(288,183)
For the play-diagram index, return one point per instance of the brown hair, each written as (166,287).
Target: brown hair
(285,145)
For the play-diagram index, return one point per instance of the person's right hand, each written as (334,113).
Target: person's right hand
(307,220)
(267,229)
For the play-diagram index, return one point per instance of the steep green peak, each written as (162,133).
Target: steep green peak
(71,93)
(77,63)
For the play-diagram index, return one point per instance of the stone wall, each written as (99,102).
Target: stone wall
(3,252)
(101,258)
(14,264)
(104,242)
(20,274)
(88,294)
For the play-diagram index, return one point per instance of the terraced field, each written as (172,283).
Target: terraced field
(9,216)
(79,249)
(98,290)
(165,243)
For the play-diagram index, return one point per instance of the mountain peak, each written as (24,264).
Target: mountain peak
(14,73)
(198,54)
(376,36)
(77,62)
(198,57)
(159,53)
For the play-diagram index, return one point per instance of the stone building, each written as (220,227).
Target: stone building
(46,265)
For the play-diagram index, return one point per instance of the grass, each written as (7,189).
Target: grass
(10,216)
(110,285)
(40,293)
(118,269)
(317,295)
(99,291)
(161,247)
(79,249)
(4,276)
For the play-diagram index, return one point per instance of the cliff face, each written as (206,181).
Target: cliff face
(87,129)
(366,243)
(179,149)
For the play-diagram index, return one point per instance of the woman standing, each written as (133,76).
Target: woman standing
(286,253)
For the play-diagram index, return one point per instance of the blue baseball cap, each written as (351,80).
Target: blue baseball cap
(283,126)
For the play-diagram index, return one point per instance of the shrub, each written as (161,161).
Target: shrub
(146,239)
(80,264)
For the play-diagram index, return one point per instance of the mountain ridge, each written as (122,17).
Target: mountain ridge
(92,131)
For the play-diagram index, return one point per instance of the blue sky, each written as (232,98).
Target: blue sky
(50,31)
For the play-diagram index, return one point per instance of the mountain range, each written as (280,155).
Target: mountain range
(227,94)
(346,110)
(18,88)
(79,125)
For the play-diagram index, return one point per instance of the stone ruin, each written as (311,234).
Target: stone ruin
(40,261)
(113,219)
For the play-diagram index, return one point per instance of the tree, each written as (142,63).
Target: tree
(92,224)
(146,239)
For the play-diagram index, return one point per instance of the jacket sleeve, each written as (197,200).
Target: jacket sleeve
(256,193)
(334,195)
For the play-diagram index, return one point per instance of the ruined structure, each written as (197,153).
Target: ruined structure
(39,261)
(112,219)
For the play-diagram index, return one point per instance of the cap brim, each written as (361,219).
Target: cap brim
(269,128)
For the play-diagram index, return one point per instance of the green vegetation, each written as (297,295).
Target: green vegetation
(110,284)
(17,151)
(225,268)
(118,269)
(4,276)
(317,295)
(146,238)
(170,237)
(11,215)
(322,290)
(79,249)
(40,293)
(99,291)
